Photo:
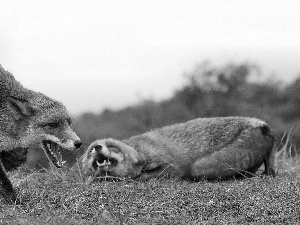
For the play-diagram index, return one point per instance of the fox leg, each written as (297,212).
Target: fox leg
(6,189)
(270,163)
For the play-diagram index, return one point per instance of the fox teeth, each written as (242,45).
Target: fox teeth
(61,163)
(53,154)
(105,163)
(59,156)
(99,164)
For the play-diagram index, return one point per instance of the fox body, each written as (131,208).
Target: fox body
(209,148)
(30,118)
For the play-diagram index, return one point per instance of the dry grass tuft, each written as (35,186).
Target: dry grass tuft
(287,157)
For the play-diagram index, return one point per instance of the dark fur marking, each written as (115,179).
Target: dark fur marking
(265,130)
(13,159)
(152,170)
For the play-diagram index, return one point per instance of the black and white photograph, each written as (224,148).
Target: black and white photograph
(149,112)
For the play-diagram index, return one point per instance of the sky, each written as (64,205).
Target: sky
(96,54)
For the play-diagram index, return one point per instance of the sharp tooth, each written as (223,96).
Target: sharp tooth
(50,149)
(61,164)
(59,156)
(101,164)
(105,163)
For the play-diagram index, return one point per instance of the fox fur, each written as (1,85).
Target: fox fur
(29,118)
(11,160)
(204,148)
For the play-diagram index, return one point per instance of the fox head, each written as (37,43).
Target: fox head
(113,158)
(40,119)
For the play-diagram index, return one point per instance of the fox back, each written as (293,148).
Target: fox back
(195,138)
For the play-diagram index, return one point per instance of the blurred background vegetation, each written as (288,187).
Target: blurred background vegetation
(209,91)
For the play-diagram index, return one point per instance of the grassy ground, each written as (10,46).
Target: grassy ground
(63,198)
(53,199)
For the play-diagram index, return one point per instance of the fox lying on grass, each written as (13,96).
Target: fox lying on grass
(29,118)
(207,148)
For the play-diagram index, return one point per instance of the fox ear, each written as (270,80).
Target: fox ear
(19,108)
(126,150)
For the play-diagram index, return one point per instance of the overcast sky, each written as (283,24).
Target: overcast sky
(96,54)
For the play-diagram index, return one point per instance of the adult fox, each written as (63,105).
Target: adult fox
(208,148)
(29,118)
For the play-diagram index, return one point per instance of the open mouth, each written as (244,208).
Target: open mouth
(103,161)
(52,152)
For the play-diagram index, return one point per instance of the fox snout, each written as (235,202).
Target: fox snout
(76,140)
(73,141)
(67,139)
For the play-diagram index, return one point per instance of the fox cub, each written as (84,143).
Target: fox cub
(29,118)
(209,148)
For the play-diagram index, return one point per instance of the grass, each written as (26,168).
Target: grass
(54,199)
(61,197)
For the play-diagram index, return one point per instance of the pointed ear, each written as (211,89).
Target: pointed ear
(126,150)
(19,108)
(152,166)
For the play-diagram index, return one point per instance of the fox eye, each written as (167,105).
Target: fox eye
(52,125)
(69,121)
